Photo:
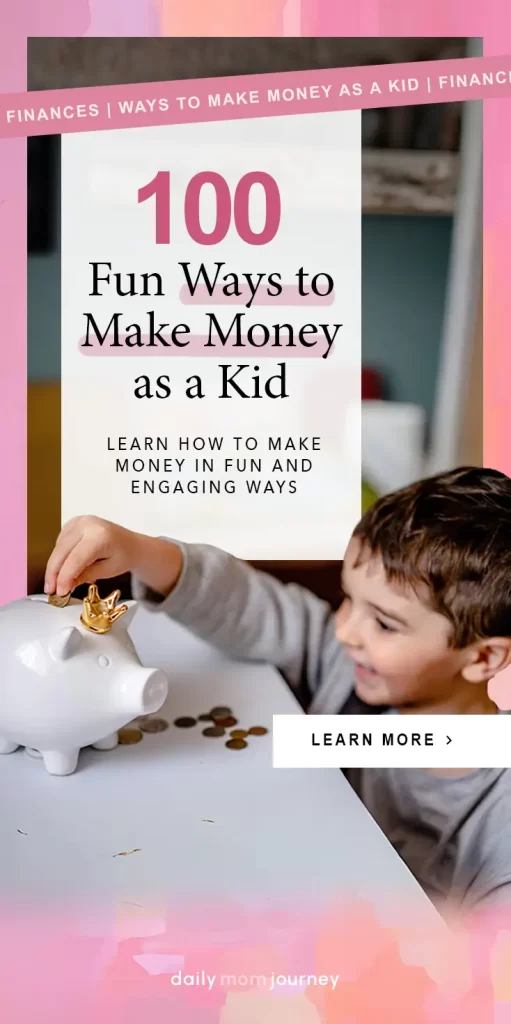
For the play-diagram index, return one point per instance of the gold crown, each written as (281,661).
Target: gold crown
(99,615)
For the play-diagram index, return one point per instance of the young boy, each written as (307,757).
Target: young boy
(425,623)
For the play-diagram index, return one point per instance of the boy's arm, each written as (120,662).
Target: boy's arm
(247,614)
(243,612)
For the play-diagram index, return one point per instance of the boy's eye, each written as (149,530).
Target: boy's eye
(383,625)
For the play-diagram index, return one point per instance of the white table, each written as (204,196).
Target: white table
(208,822)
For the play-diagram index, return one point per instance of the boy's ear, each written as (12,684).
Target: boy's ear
(487,658)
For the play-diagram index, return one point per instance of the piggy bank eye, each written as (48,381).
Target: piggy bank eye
(103,661)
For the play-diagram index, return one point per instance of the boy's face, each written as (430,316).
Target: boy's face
(399,645)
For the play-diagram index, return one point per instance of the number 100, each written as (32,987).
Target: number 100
(159,187)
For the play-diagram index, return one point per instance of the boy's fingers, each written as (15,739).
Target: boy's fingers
(65,544)
(81,558)
(71,524)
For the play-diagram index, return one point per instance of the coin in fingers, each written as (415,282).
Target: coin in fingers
(59,600)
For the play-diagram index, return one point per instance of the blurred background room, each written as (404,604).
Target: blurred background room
(421,262)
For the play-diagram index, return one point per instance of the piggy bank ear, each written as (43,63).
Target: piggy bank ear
(65,643)
(126,619)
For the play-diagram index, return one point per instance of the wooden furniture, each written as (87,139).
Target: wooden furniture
(471,441)
(43,476)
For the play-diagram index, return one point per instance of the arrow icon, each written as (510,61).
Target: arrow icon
(449,740)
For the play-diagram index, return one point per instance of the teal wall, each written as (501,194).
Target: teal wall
(404,276)
(43,282)
(404,269)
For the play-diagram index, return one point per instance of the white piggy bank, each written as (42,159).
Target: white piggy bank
(63,687)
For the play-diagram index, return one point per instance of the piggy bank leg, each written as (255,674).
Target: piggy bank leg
(6,747)
(60,762)
(108,743)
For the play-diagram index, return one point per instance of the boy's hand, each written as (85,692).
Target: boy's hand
(90,549)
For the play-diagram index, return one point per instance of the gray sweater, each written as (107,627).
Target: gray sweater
(454,833)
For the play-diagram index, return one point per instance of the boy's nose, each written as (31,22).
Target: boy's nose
(346,629)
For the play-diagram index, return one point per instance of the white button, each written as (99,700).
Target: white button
(391,741)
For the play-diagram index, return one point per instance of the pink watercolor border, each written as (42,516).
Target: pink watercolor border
(490,19)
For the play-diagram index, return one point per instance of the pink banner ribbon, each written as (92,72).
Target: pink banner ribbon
(58,111)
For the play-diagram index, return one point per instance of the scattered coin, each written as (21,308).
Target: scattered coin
(226,723)
(220,712)
(205,718)
(238,734)
(213,730)
(185,722)
(59,600)
(257,730)
(236,744)
(129,736)
(154,725)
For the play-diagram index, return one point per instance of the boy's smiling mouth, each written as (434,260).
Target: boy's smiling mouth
(363,673)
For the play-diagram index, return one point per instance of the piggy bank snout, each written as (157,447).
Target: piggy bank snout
(154,692)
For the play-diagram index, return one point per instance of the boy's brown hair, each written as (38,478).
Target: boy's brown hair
(449,536)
